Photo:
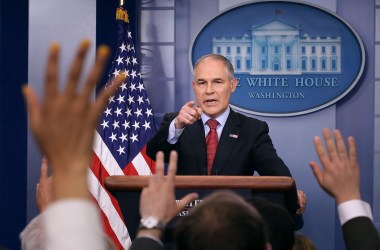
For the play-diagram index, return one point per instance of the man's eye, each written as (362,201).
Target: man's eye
(201,83)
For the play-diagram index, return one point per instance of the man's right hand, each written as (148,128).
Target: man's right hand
(187,115)
(339,175)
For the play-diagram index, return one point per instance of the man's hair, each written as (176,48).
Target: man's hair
(279,223)
(223,221)
(302,242)
(217,57)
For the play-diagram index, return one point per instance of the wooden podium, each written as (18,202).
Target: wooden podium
(257,183)
(127,191)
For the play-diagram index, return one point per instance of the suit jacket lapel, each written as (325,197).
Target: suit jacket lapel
(196,133)
(226,142)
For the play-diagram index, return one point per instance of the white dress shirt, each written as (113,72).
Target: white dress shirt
(73,224)
(352,209)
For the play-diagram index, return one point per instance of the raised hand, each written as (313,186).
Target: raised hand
(339,175)
(158,199)
(188,114)
(64,121)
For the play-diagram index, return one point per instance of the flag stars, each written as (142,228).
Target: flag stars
(140,100)
(138,112)
(126,125)
(136,125)
(104,124)
(122,47)
(129,34)
(140,87)
(128,112)
(133,138)
(148,112)
(116,73)
(125,73)
(119,60)
(121,150)
(118,112)
(146,125)
(123,86)
(133,74)
(111,99)
(123,137)
(130,100)
(120,99)
(115,124)
(113,137)
(134,61)
(132,87)
(107,112)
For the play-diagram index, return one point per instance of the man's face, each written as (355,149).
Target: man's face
(212,87)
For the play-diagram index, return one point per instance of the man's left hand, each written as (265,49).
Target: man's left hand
(301,202)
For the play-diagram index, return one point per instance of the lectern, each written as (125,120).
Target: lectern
(127,191)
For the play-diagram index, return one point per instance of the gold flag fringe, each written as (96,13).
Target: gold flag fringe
(122,14)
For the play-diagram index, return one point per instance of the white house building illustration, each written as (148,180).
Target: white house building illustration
(279,48)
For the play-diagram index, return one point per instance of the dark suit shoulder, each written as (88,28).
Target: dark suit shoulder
(159,141)
(168,118)
(247,121)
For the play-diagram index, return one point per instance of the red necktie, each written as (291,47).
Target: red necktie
(212,143)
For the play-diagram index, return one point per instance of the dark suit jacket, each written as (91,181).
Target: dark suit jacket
(244,147)
(360,233)
(146,243)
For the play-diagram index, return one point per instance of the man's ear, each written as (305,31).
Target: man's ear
(233,83)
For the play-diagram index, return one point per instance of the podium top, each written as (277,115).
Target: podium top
(257,183)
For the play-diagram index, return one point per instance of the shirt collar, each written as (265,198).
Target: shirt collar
(221,118)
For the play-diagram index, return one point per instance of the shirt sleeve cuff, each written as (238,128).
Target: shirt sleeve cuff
(174,133)
(352,209)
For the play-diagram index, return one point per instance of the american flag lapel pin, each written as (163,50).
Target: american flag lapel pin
(234,136)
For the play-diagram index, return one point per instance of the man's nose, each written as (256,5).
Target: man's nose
(209,88)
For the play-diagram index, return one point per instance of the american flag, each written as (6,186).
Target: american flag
(125,127)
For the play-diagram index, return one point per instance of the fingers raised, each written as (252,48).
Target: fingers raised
(159,167)
(341,147)
(316,171)
(76,67)
(321,152)
(172,170)
(51,75)
(352,149)
(97,70)
(33,105)
(330,144)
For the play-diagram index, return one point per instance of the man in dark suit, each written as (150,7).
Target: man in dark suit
(340,178)
(244,145)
